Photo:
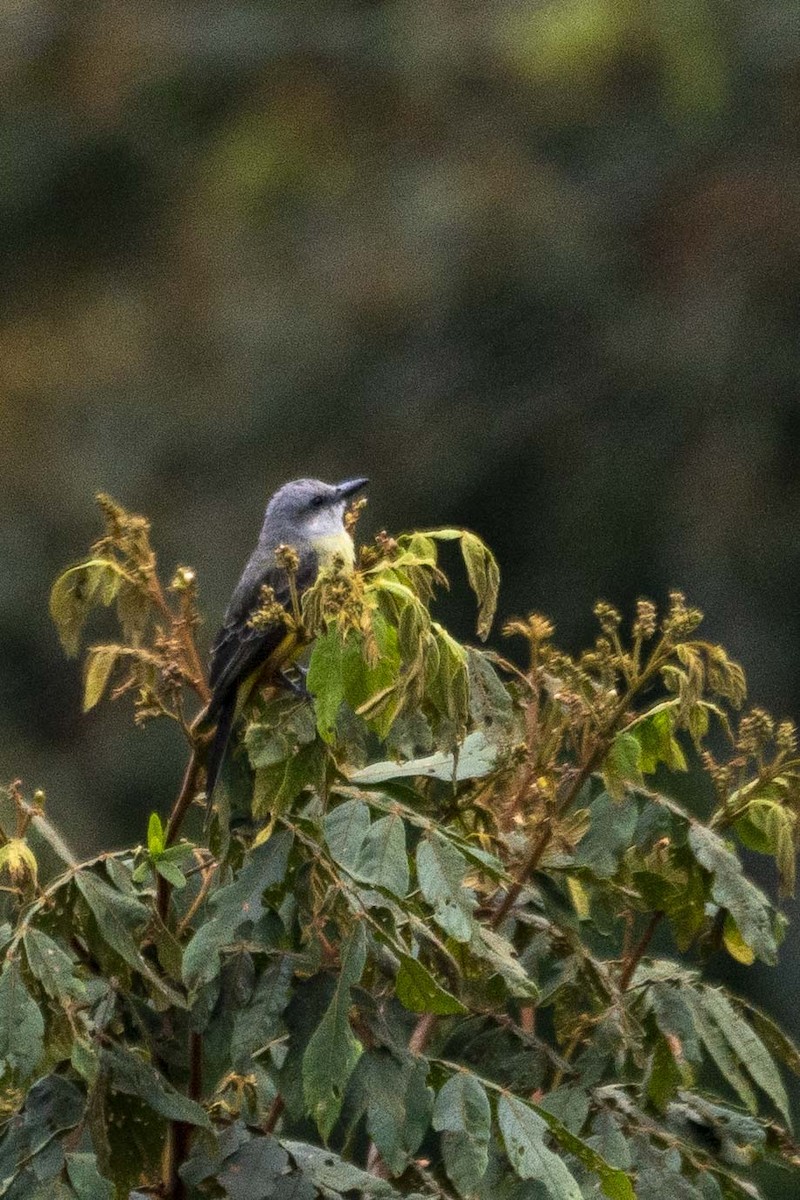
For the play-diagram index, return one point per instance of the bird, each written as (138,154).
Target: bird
(308,516)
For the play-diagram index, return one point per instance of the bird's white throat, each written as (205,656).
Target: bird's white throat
(328,545)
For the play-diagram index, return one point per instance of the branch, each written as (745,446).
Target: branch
(179,810)
(273,1116)
(180,626)
(576,782)
(543,841)
(639,951)
(422,1033)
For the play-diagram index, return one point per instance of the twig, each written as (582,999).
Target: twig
(179,809)
(639,951)
(274,1114)
(576,782)
(205,886)
(528,867)
(184,800)
(179,1141)
(180,625)
(421,1034)
(181,1132)
(195,1065)
(375,1164)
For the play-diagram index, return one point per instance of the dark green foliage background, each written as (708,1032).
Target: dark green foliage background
(533,269)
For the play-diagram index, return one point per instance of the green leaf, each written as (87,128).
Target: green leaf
(260,1022)
(394,1095)
(463,1117)
(657,741)
(333,1050)
(52,1106)
(622,765)
(674,1016)
(567,1104)
(382,859)
(134,1076)
(491,707)
(344,667)
(283,727)
(285,755)
(117,916)
(333,1175)
(51,965)
(418,991)
(99,665)
(141,872)
(440,871)
(523,1132)
(498,951)
(276,787)
(718,1046)
(774,1037)
(735,944)
(155,834)
(747,1047)
(483,574)
(611,832)
(76,592)
(768,827)
(613,1181)
(760,826)
(664,1077)
(168,949)
(475,758)
(326,681)
(254,1170)
(730,889)
(21,1022)
(233,905)
(171,873)
(447,679)
(85,1060)
(345,828)
(372,674)
(86,1180)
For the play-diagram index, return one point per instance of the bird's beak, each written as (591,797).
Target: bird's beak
(350,487)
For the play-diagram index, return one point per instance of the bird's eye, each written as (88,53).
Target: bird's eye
(318,502)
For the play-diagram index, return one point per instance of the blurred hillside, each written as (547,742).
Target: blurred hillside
(533,267)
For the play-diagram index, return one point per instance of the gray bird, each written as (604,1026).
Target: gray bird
(307,515)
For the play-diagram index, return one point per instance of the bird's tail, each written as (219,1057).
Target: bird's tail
(219,743)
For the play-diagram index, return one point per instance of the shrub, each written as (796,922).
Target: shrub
(412,952)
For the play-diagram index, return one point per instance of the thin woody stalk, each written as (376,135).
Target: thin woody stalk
(576,782)
(179,809)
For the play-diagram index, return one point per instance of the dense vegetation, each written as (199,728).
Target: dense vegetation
(412,951)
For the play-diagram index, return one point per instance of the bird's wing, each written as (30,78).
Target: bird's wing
(238,647)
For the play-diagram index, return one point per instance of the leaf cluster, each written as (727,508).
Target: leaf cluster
(156,657)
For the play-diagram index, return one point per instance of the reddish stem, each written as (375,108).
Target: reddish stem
(274,1114)
(639,951)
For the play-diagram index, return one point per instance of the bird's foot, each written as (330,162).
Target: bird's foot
(295,680)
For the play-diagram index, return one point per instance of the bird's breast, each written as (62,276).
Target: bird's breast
(329,545)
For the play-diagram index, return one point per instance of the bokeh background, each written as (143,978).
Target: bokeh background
(533,267)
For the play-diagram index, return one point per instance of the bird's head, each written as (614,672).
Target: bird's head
(308,510)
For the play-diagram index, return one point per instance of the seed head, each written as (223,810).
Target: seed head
(681,620)
(288,558)
(786,737)
(353,512)
(609,617)
(646,620)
